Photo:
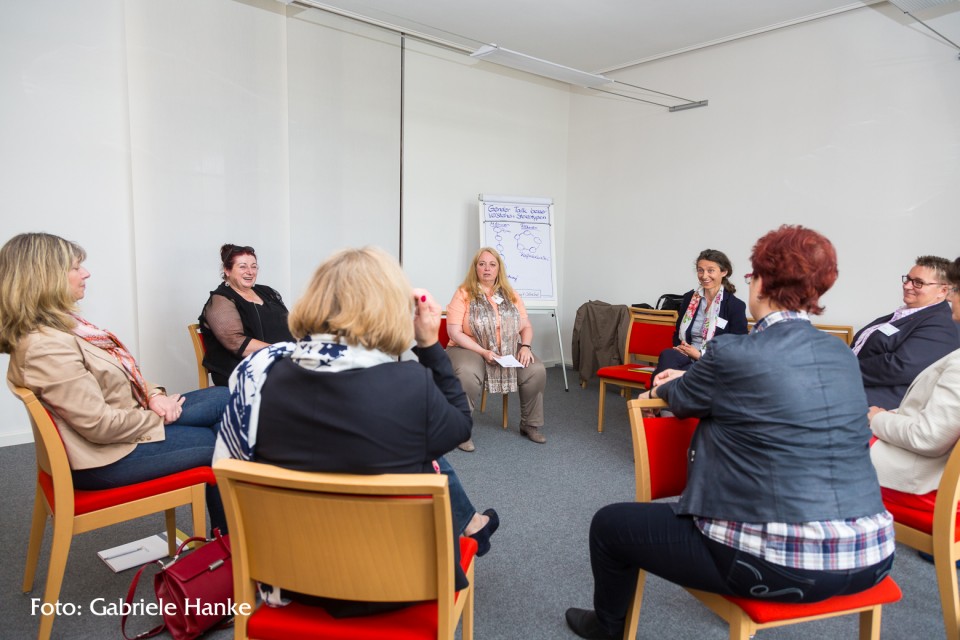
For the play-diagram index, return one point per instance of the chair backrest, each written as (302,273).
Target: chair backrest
(341,536)
(651,331)
(199,351)
(659,451)
(842,331)
(51,454)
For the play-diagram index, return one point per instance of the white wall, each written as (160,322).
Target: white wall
(153,132)
(847,125)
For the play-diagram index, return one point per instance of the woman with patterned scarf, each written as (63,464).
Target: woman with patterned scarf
(117,428)
(709,310)
(487,319)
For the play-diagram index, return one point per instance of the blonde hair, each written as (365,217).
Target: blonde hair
(471,284)
(360,295)
(34,289)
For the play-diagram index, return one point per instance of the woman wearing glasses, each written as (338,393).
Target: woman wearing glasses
(895,348)
(915,440)
(781,500)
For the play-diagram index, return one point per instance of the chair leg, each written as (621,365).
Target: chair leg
(741,627)
(171,518)
(603,393)
(505,396)
(946,569)
(466,630)
(36,539)
(633,611)
(198,509)
(870,624)
(483,400)
(59,550)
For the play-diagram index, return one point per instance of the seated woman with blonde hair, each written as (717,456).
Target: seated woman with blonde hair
(341,400)
(487,319)
(118,429)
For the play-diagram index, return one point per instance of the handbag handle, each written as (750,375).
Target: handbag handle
(136,580)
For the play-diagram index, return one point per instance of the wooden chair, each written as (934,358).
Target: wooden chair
(938,533)
(651,331)
(445,340)
(660,462)
(199,351)
(347,537)
(842,331)
(76,511)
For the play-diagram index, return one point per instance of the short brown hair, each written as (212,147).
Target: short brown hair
(34,290)
(798,265)
(360,295)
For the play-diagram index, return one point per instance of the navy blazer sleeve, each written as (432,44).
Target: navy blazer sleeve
(449,420)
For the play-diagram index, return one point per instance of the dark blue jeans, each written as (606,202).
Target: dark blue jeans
(629,536)
(188,443)
(460,504)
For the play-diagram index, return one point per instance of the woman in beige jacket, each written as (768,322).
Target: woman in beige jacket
(117,428)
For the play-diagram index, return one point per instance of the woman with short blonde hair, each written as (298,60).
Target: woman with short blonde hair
(340,398)
(117,428)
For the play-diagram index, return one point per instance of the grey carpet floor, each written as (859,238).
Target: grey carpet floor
(539,564)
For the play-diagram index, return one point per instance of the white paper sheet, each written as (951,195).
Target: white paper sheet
(507,361)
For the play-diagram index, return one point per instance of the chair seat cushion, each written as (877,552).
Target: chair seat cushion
(919,519)
(626,373)
(297,620)
(88,501)
(761,611)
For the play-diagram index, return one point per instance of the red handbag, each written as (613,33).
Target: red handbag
(194,593)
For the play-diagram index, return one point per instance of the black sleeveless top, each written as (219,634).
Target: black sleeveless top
(266,322)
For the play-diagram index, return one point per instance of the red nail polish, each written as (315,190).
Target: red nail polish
(423,298)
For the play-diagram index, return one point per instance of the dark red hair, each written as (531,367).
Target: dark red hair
(229,254)
(798,265)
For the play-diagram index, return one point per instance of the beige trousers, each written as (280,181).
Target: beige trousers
(531,380)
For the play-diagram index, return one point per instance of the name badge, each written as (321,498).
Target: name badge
(888,329)
(721,323)
(497,299)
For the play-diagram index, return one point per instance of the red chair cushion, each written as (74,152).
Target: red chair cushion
(88,501)
(668,440)
(627,373)
(761,611)
(303,621)
(913,511)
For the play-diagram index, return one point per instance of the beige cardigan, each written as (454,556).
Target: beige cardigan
(916,440)
(88,393)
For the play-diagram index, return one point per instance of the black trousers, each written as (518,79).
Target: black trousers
(630,536)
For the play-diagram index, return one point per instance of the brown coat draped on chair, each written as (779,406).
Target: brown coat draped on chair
(599,336)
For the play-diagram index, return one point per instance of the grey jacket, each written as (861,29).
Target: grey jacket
(783,434)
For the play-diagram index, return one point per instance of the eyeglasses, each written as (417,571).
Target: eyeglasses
(917,283)
(747,277)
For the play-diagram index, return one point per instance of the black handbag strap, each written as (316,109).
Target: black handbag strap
(136,580)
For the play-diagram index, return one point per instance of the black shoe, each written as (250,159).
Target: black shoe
(584,623)
(483,536)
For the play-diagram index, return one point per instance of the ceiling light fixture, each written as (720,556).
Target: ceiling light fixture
(539,67)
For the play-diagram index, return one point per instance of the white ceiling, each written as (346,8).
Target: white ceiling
(598,36)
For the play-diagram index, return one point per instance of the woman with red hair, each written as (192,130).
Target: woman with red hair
(782,502)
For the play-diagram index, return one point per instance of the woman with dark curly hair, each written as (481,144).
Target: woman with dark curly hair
(781,500)
(240,316)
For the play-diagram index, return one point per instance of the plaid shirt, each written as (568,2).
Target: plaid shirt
(829,545)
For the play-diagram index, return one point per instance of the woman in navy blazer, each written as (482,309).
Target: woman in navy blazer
(708,311)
